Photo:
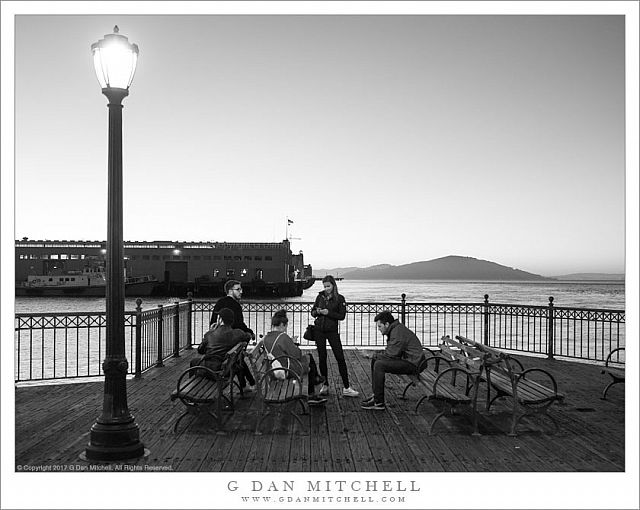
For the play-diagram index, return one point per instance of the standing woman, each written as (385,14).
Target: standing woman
(328,309)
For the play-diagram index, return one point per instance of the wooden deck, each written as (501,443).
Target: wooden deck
(53,423)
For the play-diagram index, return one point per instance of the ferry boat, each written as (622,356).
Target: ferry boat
(91,281)
(177,267)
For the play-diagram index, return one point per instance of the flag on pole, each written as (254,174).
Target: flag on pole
(289,222)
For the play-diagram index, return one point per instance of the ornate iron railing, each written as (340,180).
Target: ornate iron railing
(72,345)
(585,334)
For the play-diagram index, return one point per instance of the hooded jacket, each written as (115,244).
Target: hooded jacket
(337,311)
(402,343)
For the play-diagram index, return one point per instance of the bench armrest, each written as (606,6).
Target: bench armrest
(190,372)
(287,357)
(608,360)
(452,370)
(519,377)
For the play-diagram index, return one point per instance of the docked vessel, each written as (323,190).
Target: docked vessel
(90,281)
(173,268)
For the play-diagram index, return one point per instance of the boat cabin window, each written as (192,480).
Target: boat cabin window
(268,257)
(243,272)
(257,257)
(247,257)
(216,272)
(155,257)
(231,273)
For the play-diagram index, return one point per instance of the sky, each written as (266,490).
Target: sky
(385,139)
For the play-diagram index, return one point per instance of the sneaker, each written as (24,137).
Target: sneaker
(324,390)
(349,392)
(315,400)
(376,406)
(370,400)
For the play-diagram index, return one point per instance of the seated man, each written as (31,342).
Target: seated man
(402,355)
(219,340)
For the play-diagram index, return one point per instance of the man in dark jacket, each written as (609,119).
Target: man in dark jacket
(233,288)
(219,341)
(402,355)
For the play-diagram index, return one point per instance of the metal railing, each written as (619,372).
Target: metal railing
(72,345)
(579,333)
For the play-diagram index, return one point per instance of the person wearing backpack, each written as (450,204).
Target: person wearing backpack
(278,343)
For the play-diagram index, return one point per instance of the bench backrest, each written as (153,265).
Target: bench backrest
(469,356)
(495,361)
(259,360)
(232,359)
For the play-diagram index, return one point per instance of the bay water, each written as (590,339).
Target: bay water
(573,294)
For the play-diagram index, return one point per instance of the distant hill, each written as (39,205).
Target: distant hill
(452,267)
(591,276)
(337,271)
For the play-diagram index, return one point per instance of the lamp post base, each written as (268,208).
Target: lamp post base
(114,441)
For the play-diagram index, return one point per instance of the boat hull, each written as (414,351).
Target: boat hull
(131,290)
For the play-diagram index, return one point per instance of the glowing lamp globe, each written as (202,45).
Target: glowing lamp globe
(115,59)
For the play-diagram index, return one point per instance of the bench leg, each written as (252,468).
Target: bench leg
(438,416)
(406,388)
(604,393)
(175,427)
(420,402)
(259,422)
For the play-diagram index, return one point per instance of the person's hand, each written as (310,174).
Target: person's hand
(323,311)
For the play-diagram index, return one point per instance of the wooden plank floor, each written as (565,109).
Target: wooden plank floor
(53,423)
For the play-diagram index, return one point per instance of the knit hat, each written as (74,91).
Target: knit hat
(227,316)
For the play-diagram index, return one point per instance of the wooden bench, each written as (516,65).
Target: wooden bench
(614,366)
(449,380)
(506,376)
(199,387)
(272,391)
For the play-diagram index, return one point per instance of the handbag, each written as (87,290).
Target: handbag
(308,334)
(278,374)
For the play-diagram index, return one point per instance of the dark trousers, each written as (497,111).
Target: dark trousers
(333,337)
(313,375)
(383,364)
(244,374)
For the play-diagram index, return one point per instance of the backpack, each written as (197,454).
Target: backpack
(278,374)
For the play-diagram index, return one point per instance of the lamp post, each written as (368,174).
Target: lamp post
(115,434)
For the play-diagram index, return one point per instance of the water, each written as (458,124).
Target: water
(609,295)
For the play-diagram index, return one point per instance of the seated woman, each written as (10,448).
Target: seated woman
(278,343)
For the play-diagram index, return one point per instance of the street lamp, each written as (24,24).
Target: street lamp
(115,434)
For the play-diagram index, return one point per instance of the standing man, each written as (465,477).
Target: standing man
(233,288)
(402,355)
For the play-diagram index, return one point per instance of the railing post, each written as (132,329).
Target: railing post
(189,319)
(403,307)
(160,328)
(176,331)
(551,327)
(138,369)
(485,333)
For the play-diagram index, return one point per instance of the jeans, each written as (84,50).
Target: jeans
(313,374)
(383,364)
(244,375)
(333,337)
